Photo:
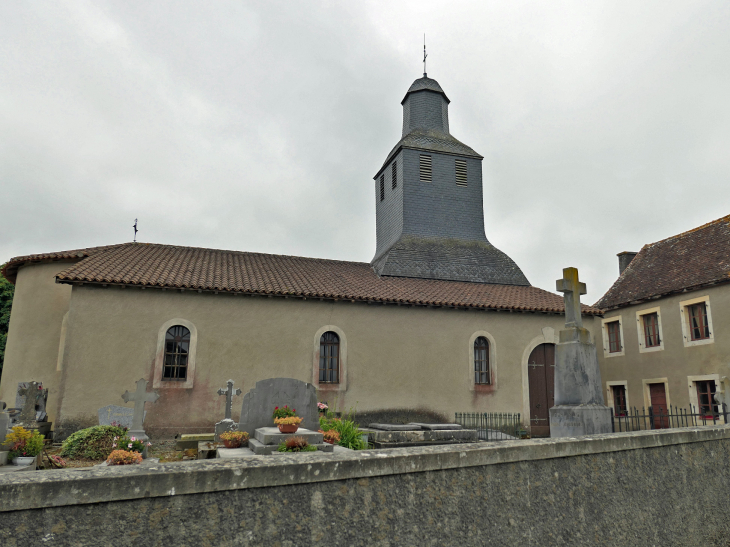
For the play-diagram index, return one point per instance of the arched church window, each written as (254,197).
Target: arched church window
(177,350)
(481,361)
(329,358)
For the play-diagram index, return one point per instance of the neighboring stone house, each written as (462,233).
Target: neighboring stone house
(441,322)
(665,335)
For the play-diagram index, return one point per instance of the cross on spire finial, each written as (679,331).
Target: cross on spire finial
(424,54)
(229,393)
(571,288)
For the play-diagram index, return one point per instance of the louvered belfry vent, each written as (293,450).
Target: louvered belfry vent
(461,172)
(394,175)
(382,187)
(425,168)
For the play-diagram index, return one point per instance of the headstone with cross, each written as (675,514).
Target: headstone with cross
(227,424)
(579,407)
(139,397)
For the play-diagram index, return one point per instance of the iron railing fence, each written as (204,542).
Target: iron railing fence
(492,426)
(665,418)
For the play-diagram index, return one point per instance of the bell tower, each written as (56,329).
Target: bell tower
(428,200)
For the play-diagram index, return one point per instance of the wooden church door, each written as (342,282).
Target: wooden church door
(541,377)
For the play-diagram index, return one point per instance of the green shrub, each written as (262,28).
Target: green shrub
(350,434)
(94,443)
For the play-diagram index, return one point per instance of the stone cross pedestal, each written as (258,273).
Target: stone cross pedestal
(139,398)
(579,408)
(227,424)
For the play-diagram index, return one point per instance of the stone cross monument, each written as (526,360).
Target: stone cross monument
(579,408)
(227,424)
(229,393)
(139,398)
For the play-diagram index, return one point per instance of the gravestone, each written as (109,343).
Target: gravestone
(4,424)
(258,404)
(117,415)
(31,399)
(579,408)
(227,424)
(139,397)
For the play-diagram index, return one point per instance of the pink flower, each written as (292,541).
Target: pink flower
(149,444)
(133,439)
(129,445)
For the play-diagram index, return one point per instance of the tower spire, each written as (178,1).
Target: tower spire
(424,55)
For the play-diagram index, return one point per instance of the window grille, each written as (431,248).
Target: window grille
(651,330)
(614,337)
(177,348)
(425,168)
(619,400)
(394,175)
(698,327)
(329,358)
(382,187)
(481,361)
(460,172)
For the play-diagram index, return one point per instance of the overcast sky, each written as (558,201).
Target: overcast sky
(259,126)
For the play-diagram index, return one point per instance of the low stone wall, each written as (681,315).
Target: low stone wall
(651,488)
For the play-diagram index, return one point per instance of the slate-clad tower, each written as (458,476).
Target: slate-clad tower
(428,195)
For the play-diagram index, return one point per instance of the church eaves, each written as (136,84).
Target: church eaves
(236,272)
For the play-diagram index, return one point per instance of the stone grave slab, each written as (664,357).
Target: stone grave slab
(396,427)
(234,453)
(122,415)
(397,439)
(432,427)
(272,435)
(258,404)
(267,449)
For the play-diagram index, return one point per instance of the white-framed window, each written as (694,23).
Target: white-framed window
(617,397)
(613,336)
(482,361)
(177,345)
(702,389)
(329,366)
(649,329)
(696,321)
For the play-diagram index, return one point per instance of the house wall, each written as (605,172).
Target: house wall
(34,334)
(397,357)
(675,362)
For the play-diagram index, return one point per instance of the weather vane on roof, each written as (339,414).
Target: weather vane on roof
(424,54)
(135,230)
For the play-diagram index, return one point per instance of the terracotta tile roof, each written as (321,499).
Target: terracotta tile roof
(690,260)
(168,266)
(10,270)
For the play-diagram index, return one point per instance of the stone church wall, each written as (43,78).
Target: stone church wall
(37,328)
(394,357)
(662,487)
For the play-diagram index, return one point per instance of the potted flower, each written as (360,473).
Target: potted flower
(234,439)
(331,436)
(323,408)
(24,445)
(286,419)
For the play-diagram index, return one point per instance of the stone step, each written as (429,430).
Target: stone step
(261,449)
(272,435)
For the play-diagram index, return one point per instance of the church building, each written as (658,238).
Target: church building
(440,321)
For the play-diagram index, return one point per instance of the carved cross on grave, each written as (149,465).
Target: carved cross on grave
(139,397)
(571,288)
(30,392)
(229,393)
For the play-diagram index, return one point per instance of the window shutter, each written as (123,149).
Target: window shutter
(460,172)
(425,168)
(394,175)
(382,187)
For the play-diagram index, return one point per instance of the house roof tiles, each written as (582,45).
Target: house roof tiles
(690,260)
